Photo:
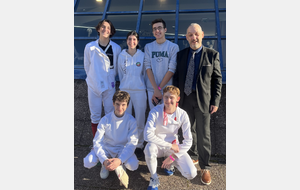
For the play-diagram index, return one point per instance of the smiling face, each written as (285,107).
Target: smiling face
(105,30)
(170,101)
(158,30)
(194,36)
(132,42)
(120,108)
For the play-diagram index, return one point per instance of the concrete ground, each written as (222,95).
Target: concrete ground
(85,179)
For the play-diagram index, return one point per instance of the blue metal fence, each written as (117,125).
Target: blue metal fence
(79,72)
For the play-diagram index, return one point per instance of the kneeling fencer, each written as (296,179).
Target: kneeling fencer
(115,141)
(161,132)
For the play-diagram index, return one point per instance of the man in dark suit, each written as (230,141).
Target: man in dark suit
(199,77)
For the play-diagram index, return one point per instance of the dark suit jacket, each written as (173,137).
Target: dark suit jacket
(209,78)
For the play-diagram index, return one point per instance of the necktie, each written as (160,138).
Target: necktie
(190,75)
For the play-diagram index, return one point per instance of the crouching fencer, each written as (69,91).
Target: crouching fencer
(115,141)
(161,134)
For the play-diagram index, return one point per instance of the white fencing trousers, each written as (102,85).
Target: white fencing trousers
(184,164)
(95,103)
(91,160)
(138,99)
(150,94)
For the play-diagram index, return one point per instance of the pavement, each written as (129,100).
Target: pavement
(86,179)
(89,179)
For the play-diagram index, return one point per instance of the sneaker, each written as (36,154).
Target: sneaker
(104,172)
(154,183)
(195,161)
(205,177)
(139,153)
(122,175)
(170,171)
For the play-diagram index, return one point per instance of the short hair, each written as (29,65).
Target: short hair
(194,24)
(172,89)
(112,28)
(134,33)
(157,21)
(121,96)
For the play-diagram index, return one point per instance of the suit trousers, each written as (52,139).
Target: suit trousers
(200,128)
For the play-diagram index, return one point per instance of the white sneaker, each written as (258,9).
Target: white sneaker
(104,172)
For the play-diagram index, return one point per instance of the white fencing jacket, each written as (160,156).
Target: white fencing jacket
(118,136)
(163,136)
(100,76)
(131,70)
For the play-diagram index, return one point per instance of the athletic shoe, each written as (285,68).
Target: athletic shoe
(154,183)
(104,172)
(205,177)
(170,171)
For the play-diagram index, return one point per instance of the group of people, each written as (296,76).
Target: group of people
(183,90)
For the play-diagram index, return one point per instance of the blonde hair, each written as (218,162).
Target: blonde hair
(172,89)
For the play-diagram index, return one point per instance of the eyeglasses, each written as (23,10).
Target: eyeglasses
(158,28)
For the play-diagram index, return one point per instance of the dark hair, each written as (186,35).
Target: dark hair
(134,33)
(112,28)
(159,20)
(121,96)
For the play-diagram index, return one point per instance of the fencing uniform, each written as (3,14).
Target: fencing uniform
(131,72)
(100,77)
(115,138)
(161,58)
(160,137)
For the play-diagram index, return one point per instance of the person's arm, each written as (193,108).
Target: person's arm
(144,71)
(98,139)
(147,63)
(157,92)
(120,68)
(116,53)
(168,161)
(112,164)
(86,60)
(172,66)
(216,85)
(132,140)
(176,75)
(166,79)
(187,135)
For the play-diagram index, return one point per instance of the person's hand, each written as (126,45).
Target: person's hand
(167,163)
(106,163)
(213,109)
(156,94)
(175,148)
(113,164)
